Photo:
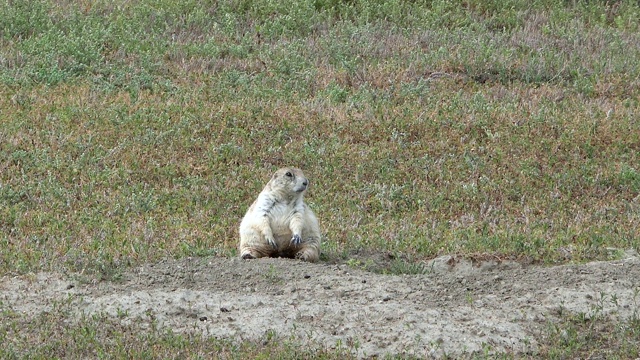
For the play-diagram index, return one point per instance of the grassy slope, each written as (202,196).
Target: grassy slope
(134,130)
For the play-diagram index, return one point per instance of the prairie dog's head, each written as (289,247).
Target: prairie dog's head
(291,180)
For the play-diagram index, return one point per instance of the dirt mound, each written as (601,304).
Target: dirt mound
(459,307)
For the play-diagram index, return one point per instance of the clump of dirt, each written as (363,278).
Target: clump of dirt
(457,307)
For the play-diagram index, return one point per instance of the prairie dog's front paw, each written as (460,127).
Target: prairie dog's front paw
(295,240)
(272,242)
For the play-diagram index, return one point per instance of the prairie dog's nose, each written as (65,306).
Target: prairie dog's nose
(305,182)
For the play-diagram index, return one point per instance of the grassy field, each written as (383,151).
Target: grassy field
(133,130)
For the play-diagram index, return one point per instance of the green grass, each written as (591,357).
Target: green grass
(136,130)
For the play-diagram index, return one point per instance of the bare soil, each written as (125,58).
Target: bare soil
(459,307)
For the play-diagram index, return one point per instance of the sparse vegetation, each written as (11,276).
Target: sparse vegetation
(49,337)
(136,130)
(591,334)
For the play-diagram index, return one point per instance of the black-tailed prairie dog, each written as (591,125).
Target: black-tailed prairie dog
(279,223)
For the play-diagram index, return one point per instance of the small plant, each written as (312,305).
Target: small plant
(273,276)
(469,297)
(122,314)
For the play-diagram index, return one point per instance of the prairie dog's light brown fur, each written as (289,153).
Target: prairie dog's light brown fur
(279,223)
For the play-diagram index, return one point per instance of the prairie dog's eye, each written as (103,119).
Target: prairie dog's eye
(289,174)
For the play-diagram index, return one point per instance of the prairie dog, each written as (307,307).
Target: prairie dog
(279,223)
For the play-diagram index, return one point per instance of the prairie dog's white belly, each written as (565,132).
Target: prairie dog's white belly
(279,218)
